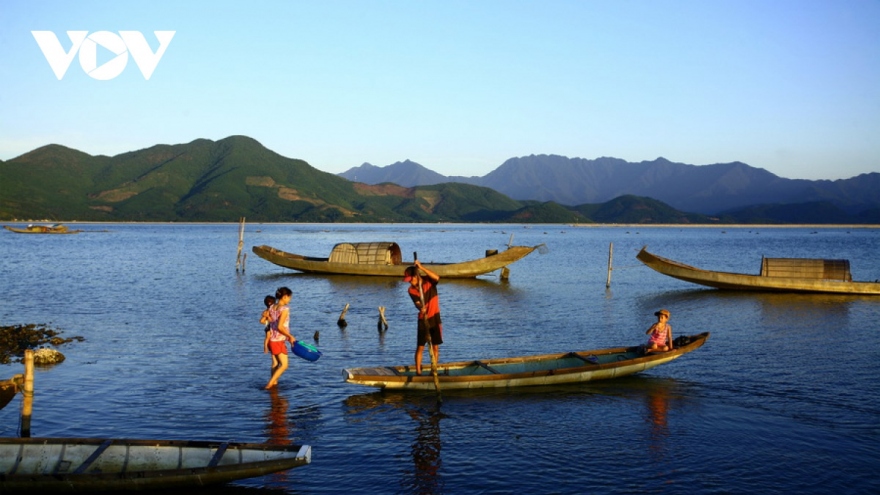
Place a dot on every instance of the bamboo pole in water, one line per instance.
(27, 393)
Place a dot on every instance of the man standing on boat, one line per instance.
(425, 288)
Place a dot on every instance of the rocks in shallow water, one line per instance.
(15, 339)
(44, 357)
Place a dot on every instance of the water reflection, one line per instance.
(278, 431)
(657, 402)
(425, 452)
(277, 425)
(425, 449)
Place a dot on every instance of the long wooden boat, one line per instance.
(42, 229)
(85, 464)
(777, 274)
(383, 259)
(545, 369)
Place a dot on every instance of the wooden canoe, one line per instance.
(84, 464)
(777, 274)
(392, 266)
(42, 229)
(545, 369)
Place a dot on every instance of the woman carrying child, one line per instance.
(278, 318)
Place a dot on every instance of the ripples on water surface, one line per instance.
(783, 397)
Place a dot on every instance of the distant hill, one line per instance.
(706, 189)
(405, 173)
(222, 181)
(635, 209)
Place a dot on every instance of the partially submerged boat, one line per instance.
(777, 274)
(544, 369)
(8, 389)
(85, 464)
(383, 259)
(56, 228)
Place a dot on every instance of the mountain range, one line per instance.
(222, 181)
(708, 189)
(235, 177)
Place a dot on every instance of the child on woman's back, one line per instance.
(265, 320)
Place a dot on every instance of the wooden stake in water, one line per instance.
(610, 253)
(341, 321)
(239, 262)
(382, 320)
(27, 403)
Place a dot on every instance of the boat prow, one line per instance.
(85, 464)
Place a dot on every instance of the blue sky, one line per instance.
(792, 87)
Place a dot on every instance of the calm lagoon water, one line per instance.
(784, 397)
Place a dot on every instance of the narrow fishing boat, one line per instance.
(383, 259)
(42, 229)
(777, 274)
(545, 369)
(87, 464)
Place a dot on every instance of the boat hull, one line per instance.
(738, 281)
(41, 230)
(465, 269)
(545, 369)
(80, 464)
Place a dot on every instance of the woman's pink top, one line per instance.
(274, 321)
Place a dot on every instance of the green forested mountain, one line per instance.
(221, 181)
(199, 181)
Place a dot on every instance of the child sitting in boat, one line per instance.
(660, 333)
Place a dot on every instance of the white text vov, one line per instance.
(122, 44)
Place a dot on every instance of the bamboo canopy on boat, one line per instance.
(366, 253)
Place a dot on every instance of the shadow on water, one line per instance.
(634, 387)
(768, 298)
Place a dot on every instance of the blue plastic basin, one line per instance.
(306, 351)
